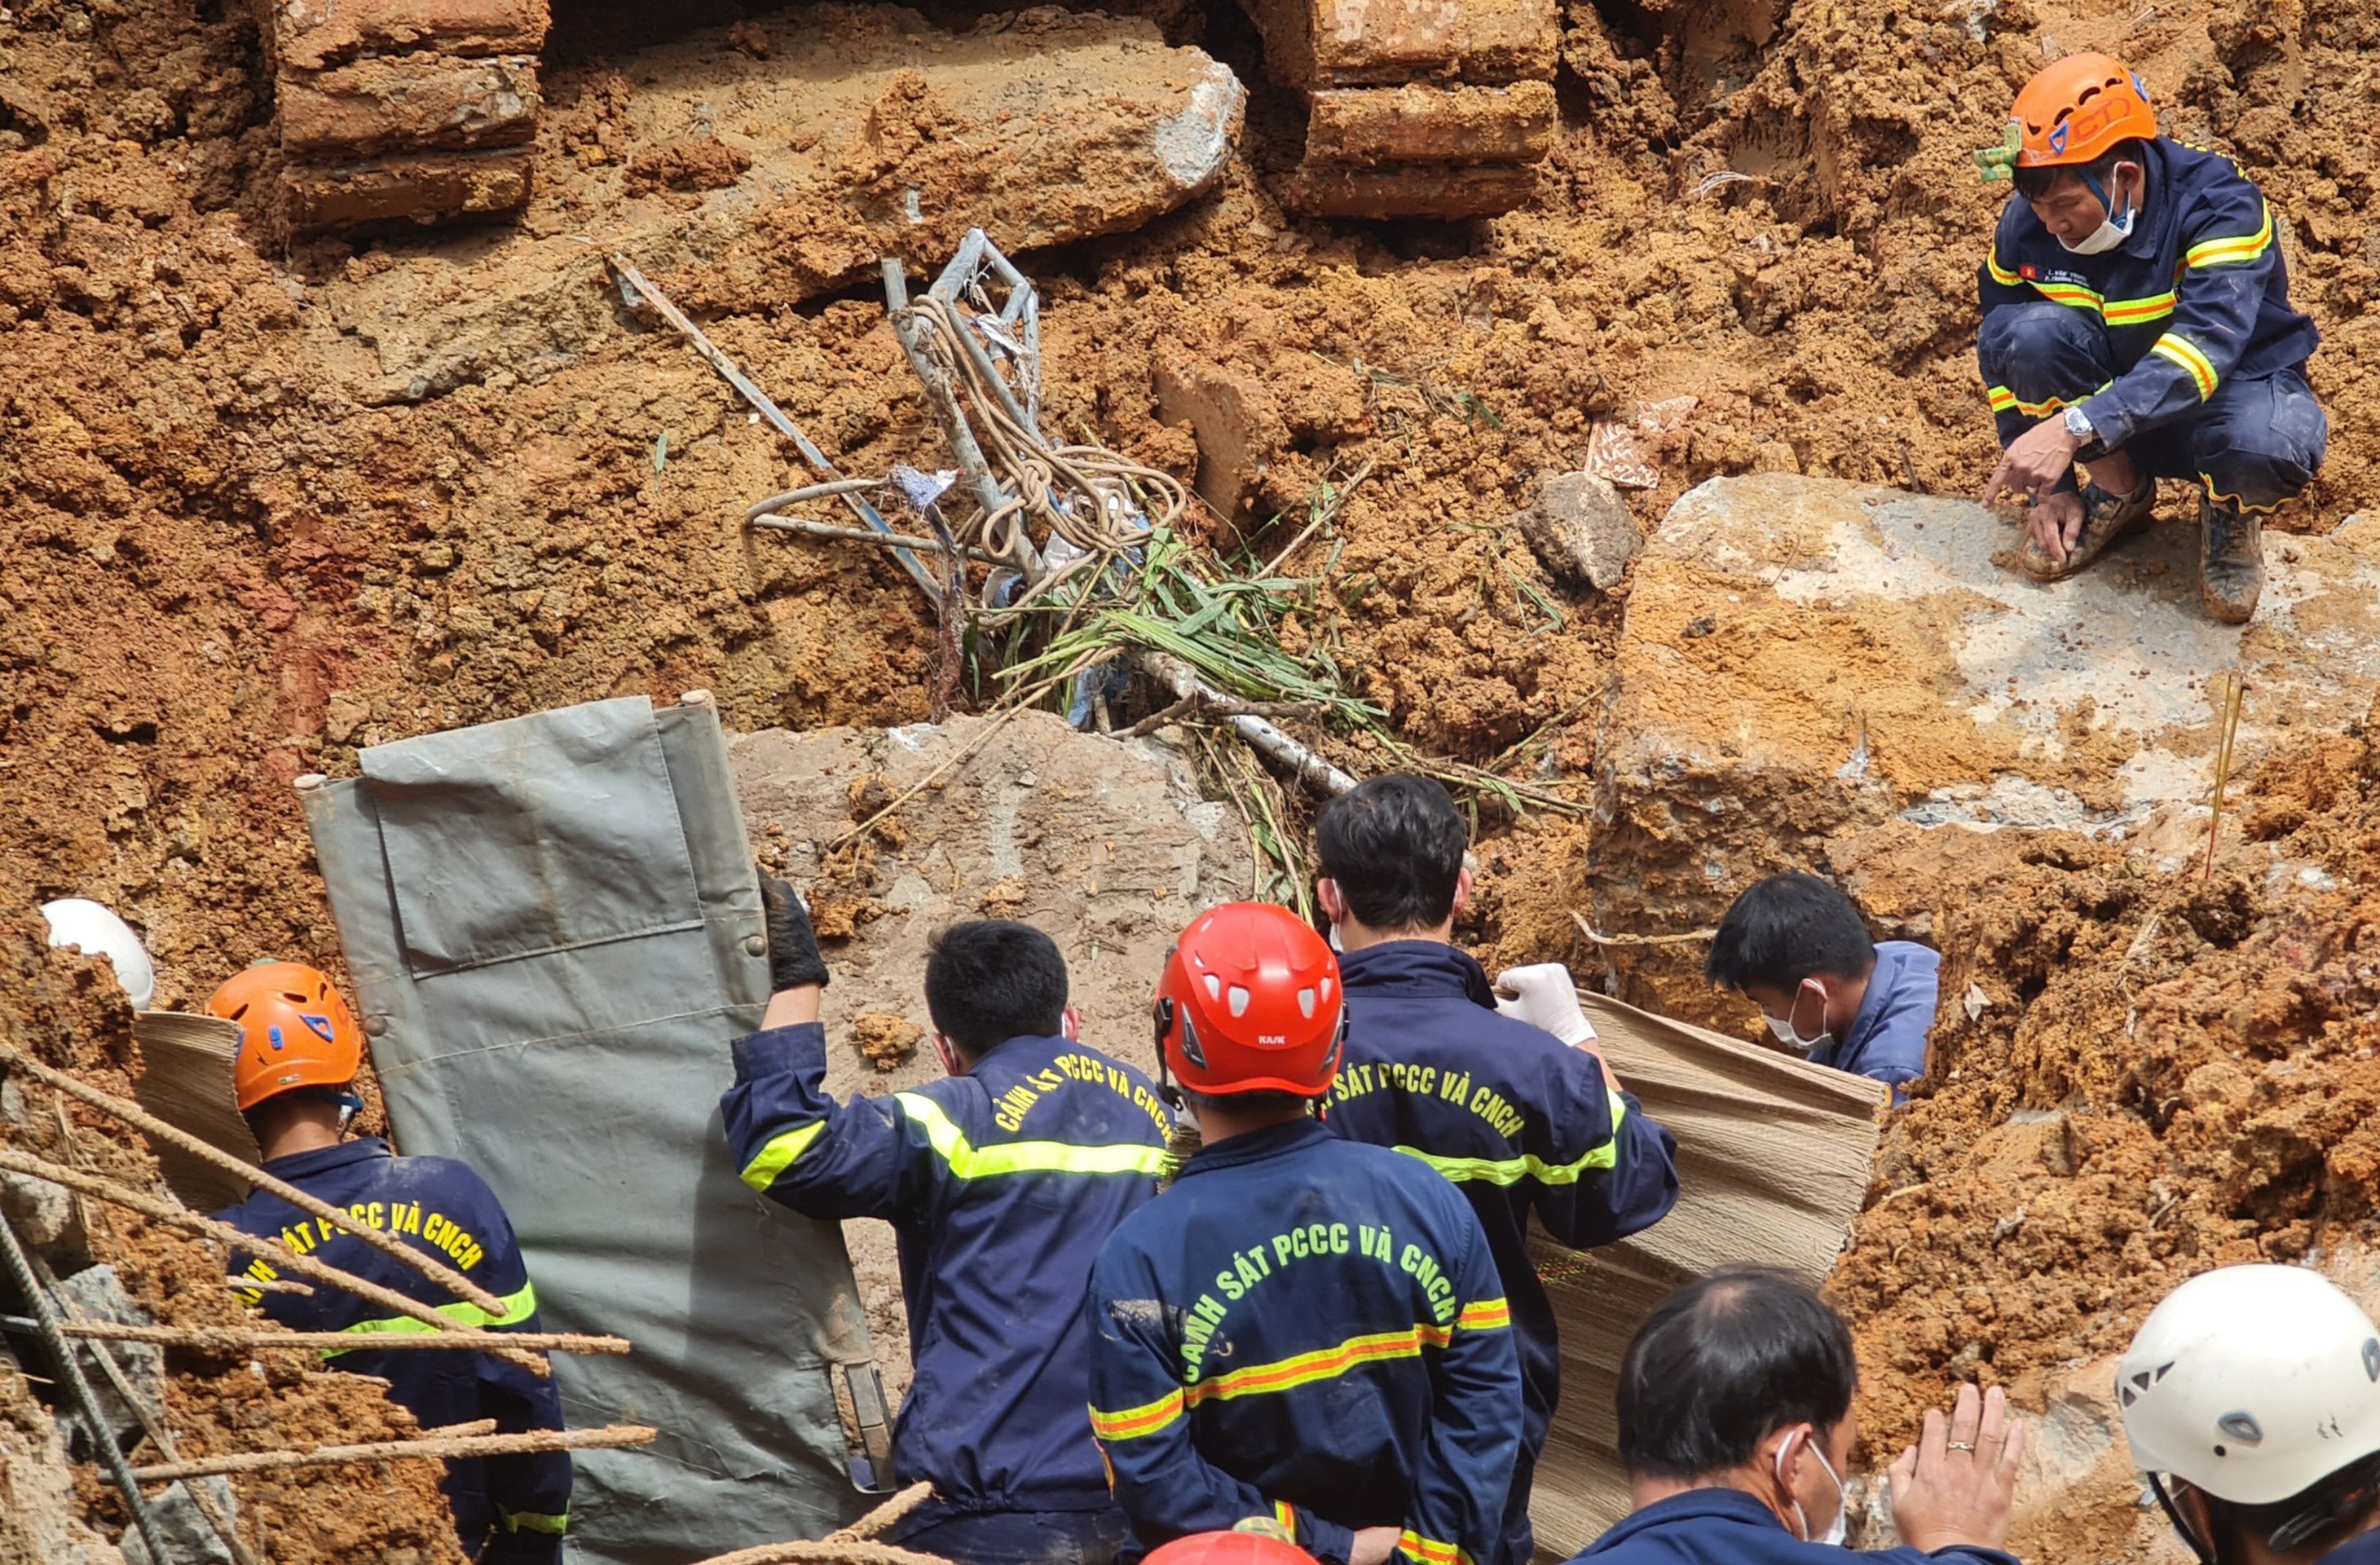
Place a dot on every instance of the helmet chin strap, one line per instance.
(2173, 1513)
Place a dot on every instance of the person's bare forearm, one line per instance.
(790, 1008)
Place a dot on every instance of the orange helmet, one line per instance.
(1249, 1001)
(2079, 109)
(294, 1031)
(1243, 1544)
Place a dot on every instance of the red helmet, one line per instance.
(1242, 1546)
(294, 1031)
(1249, 1001)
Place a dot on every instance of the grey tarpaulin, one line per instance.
(554, 933)
(1774, 1155)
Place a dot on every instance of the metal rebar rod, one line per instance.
(213, 1339)
(71, 1374)
(910, 330)
(861, 535)
(272, 1250)
(635, 288)
(611, 1438)
(314, 1206)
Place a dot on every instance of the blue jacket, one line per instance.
(1000, 1185)
(1730, 1527)
(2361, 1549)
(2198, 294)
(1518, 1120)
(1311, 1330)
(516, 1505)
(1887, 1039)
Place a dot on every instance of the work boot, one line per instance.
(2105, 518)
(2230, 560)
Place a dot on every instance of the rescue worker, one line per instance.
(2137, 318)
(1736, 1428)
(1302, 1325)
(1509, 1100)
(1798, 949)
(294, 1078)
(1001, 1181)
(2250, 1396)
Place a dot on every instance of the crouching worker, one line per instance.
(1302, 1327)
(2137, 319)
(1798, 949)
(2252, 1399)
(299, 1053)
(1001, 1181)
(1736, 1428)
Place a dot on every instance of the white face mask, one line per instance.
(1841, 1528)
(2112, 231)
(1782, 1030)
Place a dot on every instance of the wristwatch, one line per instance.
(2078, 426)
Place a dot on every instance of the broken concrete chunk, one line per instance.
(1582, 530)
(1872, 674)
(40, 1211)
(311, 35)
(409, 104)
(189, 1536)
(1238, 424)
(93, 1293)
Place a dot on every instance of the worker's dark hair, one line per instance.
(1395, 846)
(992, 979)
(2039, 184)
(1786, 928)
(1720, 1365)
(265, 1116)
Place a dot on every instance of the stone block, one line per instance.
(425, 190)
(1312, 43)
(1360, 126)
(1582, 530)
(1418, 190)
(1809, 668)
(410, 104)
(313, 34)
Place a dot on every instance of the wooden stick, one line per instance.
(149, 1125)
(2236, 688)
(223, 1234)
(224, 1339)
(832, 1551)
(436, 1448)
(1591, 932)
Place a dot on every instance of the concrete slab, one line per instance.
(1807, 662)
(864, 131)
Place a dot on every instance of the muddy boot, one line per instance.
(2105, 518)
(2230, 560)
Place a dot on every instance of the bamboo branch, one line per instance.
(156, 1129)
(231, 1237)
(856, 1551)
(436, 1446)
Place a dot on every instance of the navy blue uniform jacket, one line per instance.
(1730, 1527)
(516, 1505)
(1887, 1039)
(1000, 1185)
(1311, 1330)
(1518, 1120)
(2198, 294)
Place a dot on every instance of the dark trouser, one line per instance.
(1520, 1539)
(2255, 442)
(1024, 1537)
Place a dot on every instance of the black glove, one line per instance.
(794, 959)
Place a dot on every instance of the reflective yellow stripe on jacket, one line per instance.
(532, 1522)
(1429, 1551)
(779, 1154)
(967, 1160)
(2178, 349)
(2232, 250)
(518, 1307)
(1510, 1171)
(2075, 296)
(1132, 1422)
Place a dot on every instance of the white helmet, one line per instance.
(2252, 1384)
(78, 922)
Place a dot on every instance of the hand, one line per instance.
(2054, 524)
(794, 959)
(1373, 1546)
(2042, 456)
(1545, 997)
(1957, 1483)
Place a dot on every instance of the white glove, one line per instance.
(1545, 999)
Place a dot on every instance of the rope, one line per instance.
(1082, 494)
